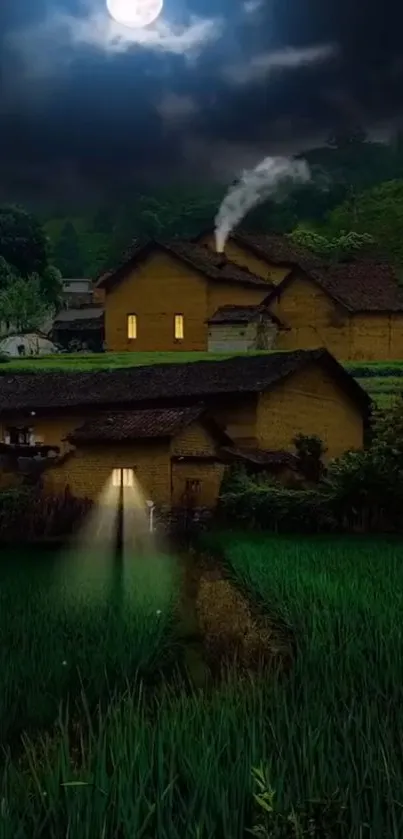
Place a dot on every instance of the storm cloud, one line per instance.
(89, 108)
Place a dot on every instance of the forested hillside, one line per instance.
(357, 186)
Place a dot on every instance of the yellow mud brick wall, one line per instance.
(313, 319)
(210, 477)
(309, 402)
(89, 468)
(377, 337)
(196, 440)
(246, 259)
(157, 289)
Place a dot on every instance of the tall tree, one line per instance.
(23, 242)
(24, 246)
(22, 304)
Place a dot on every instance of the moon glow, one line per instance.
(134, 14)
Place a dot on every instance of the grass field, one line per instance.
(382, 380)
(316, 753)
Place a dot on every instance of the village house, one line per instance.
(353, 308)
(178, 425)
(163, 296)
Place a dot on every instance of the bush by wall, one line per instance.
(43, 516)
(360, 491)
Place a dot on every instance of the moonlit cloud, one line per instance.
(97, 29)
(288, 58)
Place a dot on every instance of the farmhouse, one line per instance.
(178, 425)
(353, 308)
(162, 296)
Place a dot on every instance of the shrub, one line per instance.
(44, 516)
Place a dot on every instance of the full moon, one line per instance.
(134, 13)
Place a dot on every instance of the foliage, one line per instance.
(259, 502)
(337, 248)
(343, 599)
(23, 243)
(8, 274)
(377, 211)
(25, 253)
(341, 169)
(23, 305)
(43, 515)
(310, 452)
(360, 491)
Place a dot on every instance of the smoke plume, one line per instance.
(271, 178)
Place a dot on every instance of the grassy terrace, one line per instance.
(382, 380)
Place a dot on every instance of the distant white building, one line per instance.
(74, 286)
(27, 344)
(76, 293)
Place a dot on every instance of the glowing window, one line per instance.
(179, 330)
(132, 327)
(123, 477)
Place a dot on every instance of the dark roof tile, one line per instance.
(135, 425)
(161, 382)
(277, 249)
(360, 285)
(214, 266)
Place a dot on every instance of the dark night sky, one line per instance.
(214, 87)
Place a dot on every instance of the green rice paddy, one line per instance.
(101, 736)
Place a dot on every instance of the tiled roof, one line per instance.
(360, 285)
(261, 457)
(240, 314)
(162, 382)
(363, 285)
(214, 266)
(135, 425)
(276, 249)
(271, 247)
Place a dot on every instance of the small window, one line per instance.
(123, 477)
(179, 328)
(132, 327)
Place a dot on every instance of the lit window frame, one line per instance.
(131, 321)
(123, 476)
(179, 326)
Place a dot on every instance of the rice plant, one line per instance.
(316, 754)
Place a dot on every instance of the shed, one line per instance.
(242, 328)
(81, 328)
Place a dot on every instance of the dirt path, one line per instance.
(220, 628)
